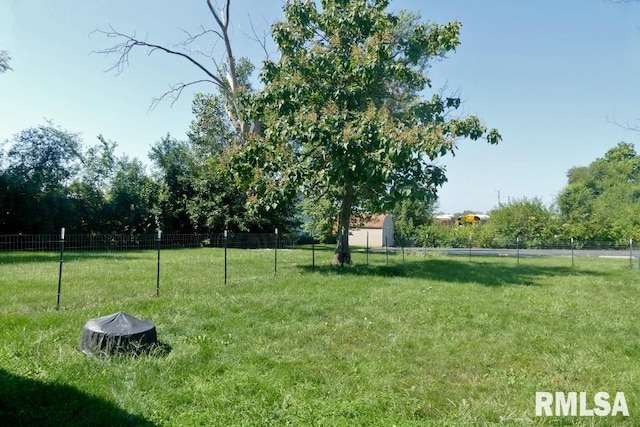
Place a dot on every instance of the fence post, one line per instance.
(631, 253)
(367, 250)
(158, 275)
(342, 246)
(572, 263)
(224, 239)
(313, 253)
(426, 241)
(275, 265)
(386, 249)
(60, 271)
(518, 250)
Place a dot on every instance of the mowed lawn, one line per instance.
(424, 341)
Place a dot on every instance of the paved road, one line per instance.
(588, 253)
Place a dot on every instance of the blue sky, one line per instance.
(552, 75)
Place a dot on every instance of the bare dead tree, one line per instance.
(227, 84)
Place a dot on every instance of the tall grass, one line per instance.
(427, 341)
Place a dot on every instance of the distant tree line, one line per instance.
(601, 202)
(49, 179)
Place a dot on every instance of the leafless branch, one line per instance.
(191, 37)
(625, 126)
(124, 48)
(260, 39)
(175, 92)
(228, 85)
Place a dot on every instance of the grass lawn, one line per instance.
(428, 341)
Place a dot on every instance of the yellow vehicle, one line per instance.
(471, 219)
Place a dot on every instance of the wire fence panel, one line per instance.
(95, 263)
(133, 242)
(29, 242)
(524, 243)
(136, 242)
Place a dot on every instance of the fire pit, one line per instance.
(117, 333)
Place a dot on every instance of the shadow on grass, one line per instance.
(157, 349)
(25, 257)
(450, 270)
(37, 257)
(28, 402)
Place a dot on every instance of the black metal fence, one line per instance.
(133, 242)
(537, 244)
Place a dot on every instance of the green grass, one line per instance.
(429, 341)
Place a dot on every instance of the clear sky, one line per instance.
(552, 75)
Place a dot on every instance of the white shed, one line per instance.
(379, 230)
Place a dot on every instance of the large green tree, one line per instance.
(344, 112)
(133, 200)
(175, 163)
(39, 165)
(202, 190)
(86, 194)
(218, 201)
(45, 155)
(528, 219)
(601, 201)
(410, 216)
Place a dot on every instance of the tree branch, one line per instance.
(625, 126)
(224, 28)
(175, 92)
(130, 42)
(191, 38)
(232, 78)
(262, 41)
(228, 85)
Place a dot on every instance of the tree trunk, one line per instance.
(342, 253)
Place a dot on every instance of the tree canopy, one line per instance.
(601, 201)
(48, 180)
(345, 115)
